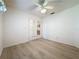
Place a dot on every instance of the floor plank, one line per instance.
(41, 49)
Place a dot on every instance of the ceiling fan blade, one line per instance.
(45, 3)
(56, 1)
(40, 2)
(49, 7)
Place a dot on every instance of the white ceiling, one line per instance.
(28, 5)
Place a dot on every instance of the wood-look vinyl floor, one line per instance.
(41, 49)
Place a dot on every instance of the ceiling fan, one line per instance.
(43, 5)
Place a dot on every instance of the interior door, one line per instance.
(34, 29)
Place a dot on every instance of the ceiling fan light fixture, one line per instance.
(43, 11)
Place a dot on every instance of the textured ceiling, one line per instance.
(28, 5)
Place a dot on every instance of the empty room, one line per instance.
(39, 29)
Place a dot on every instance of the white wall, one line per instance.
(1, 34)
(63, 27)
(17, 27)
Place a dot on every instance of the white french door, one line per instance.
(33, 27)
